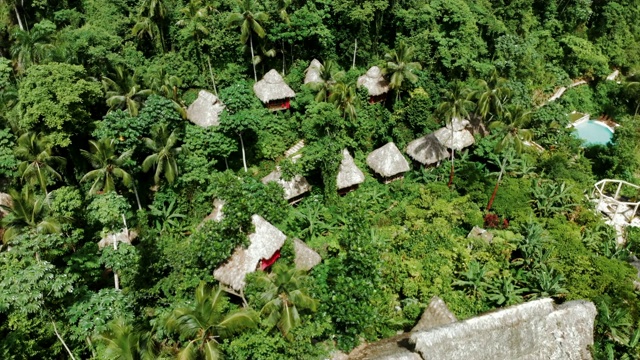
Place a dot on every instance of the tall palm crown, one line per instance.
(204, 323)
(285, 295)
(31, 47)
(163, 146)
(124, 342)
(250, 22)
(400, 66)
(491, 96)
(107, 165)
(123, 91)
(344, 97)
(38, 161)
(28, 212)
(328, 72)
(455, 105)
(193, 16)
(511, 126)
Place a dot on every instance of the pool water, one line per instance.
(593, 133)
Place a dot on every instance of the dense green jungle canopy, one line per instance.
(93, 139)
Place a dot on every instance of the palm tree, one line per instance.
(152, 14)
(146, 26)
(124, 342)
(30, 47)
(123, 91)
(194, 15)
(285, 295)
(38, 160)
(204, 325)
(400, 66)
(328, 73)
(344, 97)
(250, 22)
(164, 154)
(28, 212)
(513, 137)
(107, 165)
(491, 96)
(455, 105)
(167, 85)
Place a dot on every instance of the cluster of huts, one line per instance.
(387, 161)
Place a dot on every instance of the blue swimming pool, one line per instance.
(593, 132)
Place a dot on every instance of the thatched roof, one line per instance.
(436, 314)
(533, 330)
(456, 140)
(121, 237)
(427, 150)
(263, 243)
(216, 214)
(5, 200)
(374, 81)
(295, 187)
(480, 233)
(387, 161)
(313, 72)
(272, 87)
(393, 348)
(348, 174)
(205, 110)
(305, 257)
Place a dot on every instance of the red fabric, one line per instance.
(265, 263)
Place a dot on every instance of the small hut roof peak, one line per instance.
(348, 173)
(374, 82)
(387, 161)
(273, 77)
(312, 74)
(315, 63)
(272, 87)
(374, 72)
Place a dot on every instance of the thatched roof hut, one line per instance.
(305, 257)
(122, 237)
(263, 244)
(312, 74)
(436, 314)
(533, 330)
(205, 110)
(293, 188)
(5, 200)
(427, 150)
(348, 174)
(272, 88)
(374, 82)
(456, 140)
(388, 161)
(216, 214)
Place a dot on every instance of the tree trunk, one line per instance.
(116, 279)
(355, 48)
(135, 191)
(452, 169)
(255, 75)
(15, 8)
(55, 329)
(283, 57)
(244, 159)
(213, 80)
(453, 150)
(495, 190)
(226, 163)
